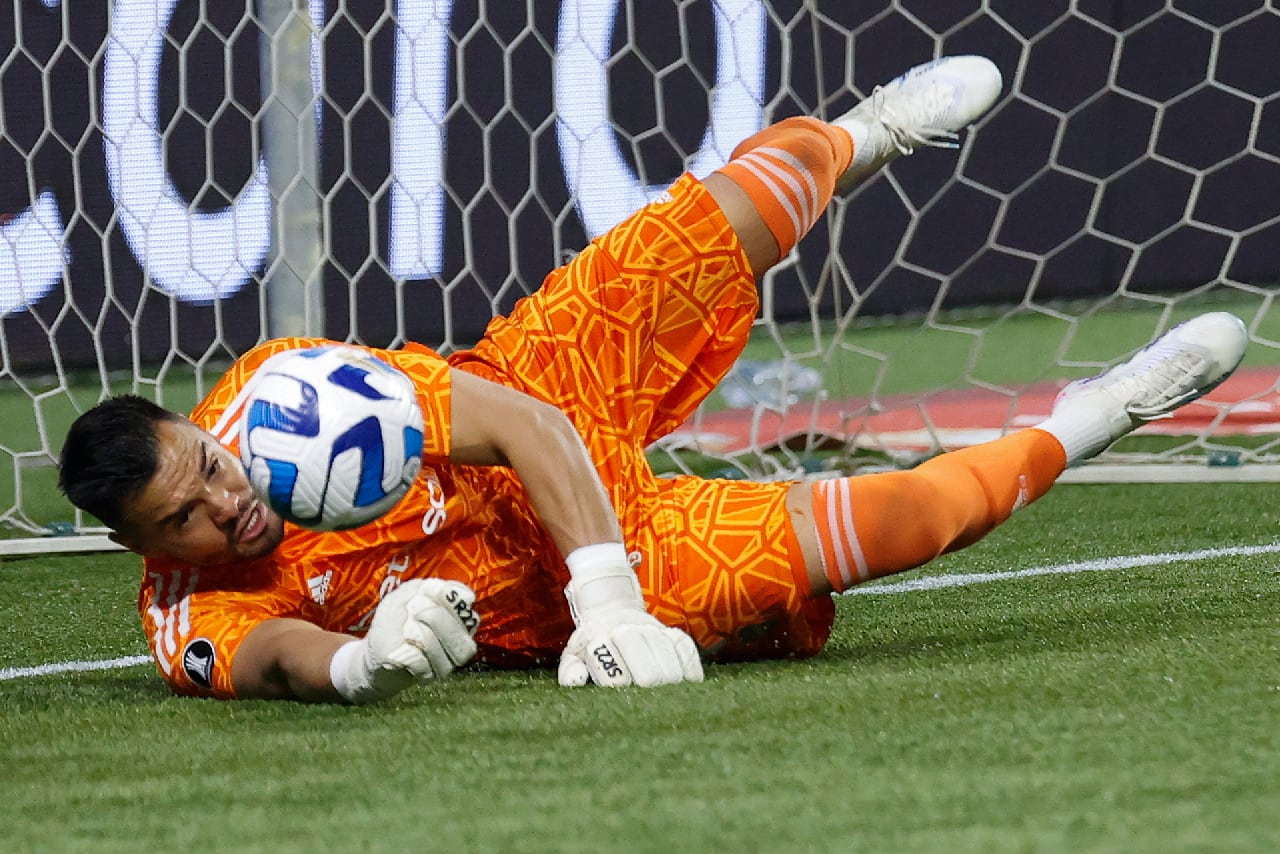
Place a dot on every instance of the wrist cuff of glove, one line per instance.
(601, 578)
(355, 681)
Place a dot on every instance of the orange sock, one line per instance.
(879, 524)
(789, 171)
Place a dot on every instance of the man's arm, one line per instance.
(497, 426)
(286, 659)
(422, 630)
(617, 641)
(491, 425)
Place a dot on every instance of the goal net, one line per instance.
(180, 179)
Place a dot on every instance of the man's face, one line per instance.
(198, 507)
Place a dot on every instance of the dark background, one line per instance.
(1131, 153)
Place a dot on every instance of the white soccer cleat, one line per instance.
(926, 106)
(1180, 366)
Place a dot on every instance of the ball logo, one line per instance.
(355, 378)
(300, 419)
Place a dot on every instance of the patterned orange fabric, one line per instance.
(627, 339)
(741, 591)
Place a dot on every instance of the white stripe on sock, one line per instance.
(850, 559)
(775, 177)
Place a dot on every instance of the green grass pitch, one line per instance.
(1122, 710)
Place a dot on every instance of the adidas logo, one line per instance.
(319, 587)
(1024, 495)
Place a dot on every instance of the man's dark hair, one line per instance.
(110, 454)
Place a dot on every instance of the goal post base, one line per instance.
(81, 544)
(1170, 473)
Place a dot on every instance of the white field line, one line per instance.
(71, 667)
(932, 582)
(1106, 564)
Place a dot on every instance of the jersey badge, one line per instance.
(198, 660)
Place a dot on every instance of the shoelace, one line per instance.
(1172, 373)
(903, 125)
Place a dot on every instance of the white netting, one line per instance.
(180, 179)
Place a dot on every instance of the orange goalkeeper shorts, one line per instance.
(627, 340)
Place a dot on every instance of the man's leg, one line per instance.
(633, 333)
(776, 185)
(854, 529)
(779, 182)
(670, 291)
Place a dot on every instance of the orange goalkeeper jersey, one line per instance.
(627, 340)
(468, 524)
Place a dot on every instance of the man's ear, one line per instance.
(125, 540)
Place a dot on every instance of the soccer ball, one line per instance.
(331, 436)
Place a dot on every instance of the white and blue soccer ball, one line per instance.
(331, 436)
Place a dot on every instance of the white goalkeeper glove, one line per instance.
(617, 641)
(422, 630)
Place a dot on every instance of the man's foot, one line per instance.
(1181, 365)
(925, 106)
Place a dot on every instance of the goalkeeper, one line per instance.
(536, 534)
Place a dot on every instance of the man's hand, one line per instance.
(617, 642)
(422, 630)
(629, 648)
